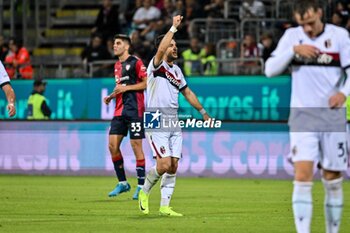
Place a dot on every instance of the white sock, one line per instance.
(151, 179)
(302, 206)
(167, 186)
(333, 204)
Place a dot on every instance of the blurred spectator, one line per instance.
(166, 18)
(37, 106)
(17, 61)
(342, 9)
(192, 58)
(182, 29)
(96, 51)
(3, 48)
(107, 21)
(267, 46)
(210, 66)
(249, 49)
(141, 48)
(193, 10)
(133, 6)
(215, 9)
(145, 15)
(159, 4)
(110, 47)
(337, 19)
(252, 9)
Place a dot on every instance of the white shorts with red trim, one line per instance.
(165, 144)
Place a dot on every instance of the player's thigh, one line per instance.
(176, 144)
(304, 146)
(334, 155)
(118, 127)
(136, 129)
(159, 142)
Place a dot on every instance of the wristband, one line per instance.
(202, 111)
(173, 29)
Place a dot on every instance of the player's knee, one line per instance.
(136, 144)
(173, 168)
(331, 175)
(303, 176)
(113, 148)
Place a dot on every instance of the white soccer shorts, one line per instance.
(165, 144)
(328, 148)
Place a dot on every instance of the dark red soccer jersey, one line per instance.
(129, 72)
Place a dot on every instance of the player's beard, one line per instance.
(171, 57)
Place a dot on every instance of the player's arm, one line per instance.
(281, 57)
(338, 99)
(164, 44)
(193, 100)
(11, 98)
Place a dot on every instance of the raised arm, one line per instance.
(164, 44)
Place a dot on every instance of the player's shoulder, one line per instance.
(336, 30)
(293, 30)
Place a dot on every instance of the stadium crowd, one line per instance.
(144, 20)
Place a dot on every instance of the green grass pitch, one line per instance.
(80, 204)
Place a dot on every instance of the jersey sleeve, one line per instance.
(151, 68)
(281, 56)
(4, 78)
(344, 40)
(140, 70)
(183, 83)
(344, 50)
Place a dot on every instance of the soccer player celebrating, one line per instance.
(9, 93)
(165, 81)
(317, 52)
(131, 80)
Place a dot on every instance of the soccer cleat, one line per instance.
(143, 202)
(136, 194)
(120, 188)
(167, 211)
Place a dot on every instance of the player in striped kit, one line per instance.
(318, 53)
(165, 81)
(131, 80)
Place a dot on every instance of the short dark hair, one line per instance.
(122, 37)
(158, 40)
(302, 6)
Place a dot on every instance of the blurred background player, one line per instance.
(318, 52)
(38, 109)
(131, 80)
(165, 81)
(9, 93)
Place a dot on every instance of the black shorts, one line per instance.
(121, 125)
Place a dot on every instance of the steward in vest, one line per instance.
(37, 106)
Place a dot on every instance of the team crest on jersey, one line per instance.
(294, 150)
(162, 149)
(328, 43)
(127, 67)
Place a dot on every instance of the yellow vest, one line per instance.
(34, 107)
(192, 62)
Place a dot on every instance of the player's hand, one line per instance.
(11, 109)
(306, 51)
(177, 20)
(107, 99)
(120, 89)
(206, 117)
(337, 100)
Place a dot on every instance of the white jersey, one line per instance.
(4, 78)
(163, 85)
(314, 81)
